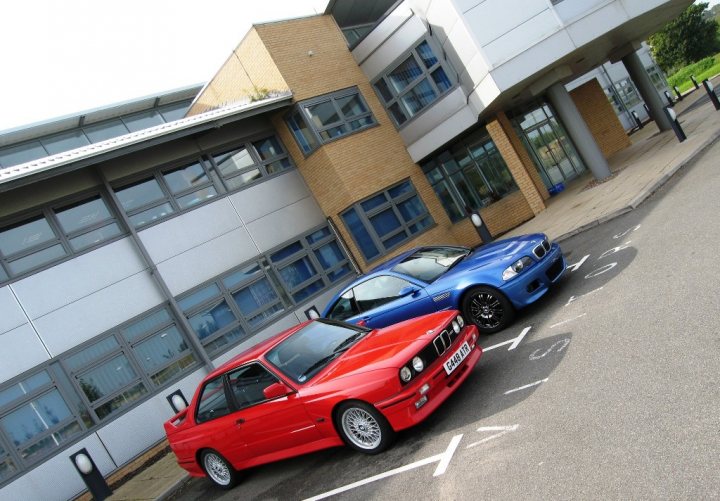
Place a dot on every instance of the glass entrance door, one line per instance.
(555, 156)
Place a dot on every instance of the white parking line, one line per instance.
(513, 342)
(573, 298)
(443, 459)
(567, 321)
(502, 429)
(526, 386)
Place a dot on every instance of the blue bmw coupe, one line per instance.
(487, 283)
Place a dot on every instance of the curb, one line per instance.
(644, 194)
(173, 488)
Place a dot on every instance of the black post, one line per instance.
(692, 77)
(679, 94)
(637, 120)
(669, 98)
(675, 124)
(479, 225)
(647, 110)
(90, 474)
(711, 93)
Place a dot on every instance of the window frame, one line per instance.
(390, 203)
(49, 212)
(301, 109)
(426, 75)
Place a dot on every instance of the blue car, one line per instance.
(487, 284)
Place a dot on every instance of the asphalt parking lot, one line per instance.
(607, 388)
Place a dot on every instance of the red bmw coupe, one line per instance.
(318, 385)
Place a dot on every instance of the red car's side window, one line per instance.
(213, 401)
(247, 384)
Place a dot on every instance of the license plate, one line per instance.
(456, 359)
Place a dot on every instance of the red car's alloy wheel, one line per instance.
(364, 428)
(219, 470)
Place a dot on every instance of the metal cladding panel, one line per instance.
(495, 19)
(399, 43)
(285, 322)
(21, 351)
(595, 25)
(78, 278)
(284, 224)
(95, 313)
(57, 478)
(443, 133)
(12, 314)
(272, 195)
(207, 260)
(524, 37)
(442, 15)
(381, 32)
(180, 234)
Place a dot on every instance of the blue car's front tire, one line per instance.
(487, 308)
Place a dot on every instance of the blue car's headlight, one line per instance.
(516, 267)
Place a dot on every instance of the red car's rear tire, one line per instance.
(363, 428)
(218, 469)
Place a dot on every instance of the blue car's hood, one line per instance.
(496, 253)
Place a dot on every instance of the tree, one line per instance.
(687, 39)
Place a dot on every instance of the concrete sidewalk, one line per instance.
(637, 172)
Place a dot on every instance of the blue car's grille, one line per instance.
(542, 249)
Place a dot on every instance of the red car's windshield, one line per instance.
(308, 350)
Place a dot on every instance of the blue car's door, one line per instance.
(384, 300)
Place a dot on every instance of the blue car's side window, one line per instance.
(345, 307)
(378, 291)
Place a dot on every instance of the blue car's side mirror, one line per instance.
(406, 291)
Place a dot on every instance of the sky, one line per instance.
(62, 57)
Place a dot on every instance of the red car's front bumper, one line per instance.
(406, 408)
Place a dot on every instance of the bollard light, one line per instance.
(711, 93)
(679, 94)
(479, 225)
(637, 119)
(679, 132)
(83, 463)
(312, 313)
(476, 220)
(669, 98)
(692, 77)
(179, 403)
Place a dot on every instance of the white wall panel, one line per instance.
(20, 350)
(522, 38)
(433, 115)
(77, 278)
(462, 51)
(636, 8)
(588, 28)
(94, 314)
(395, 46)
(208, 260)
(484, 94)
(177, 235)
(569, 11)
(493, 19)
(57, 478)
(444, 132)
(270, 196)
(381, 32)
(11, 315)
(443, 17)
(282, 225)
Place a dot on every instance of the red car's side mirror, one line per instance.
(276, 390)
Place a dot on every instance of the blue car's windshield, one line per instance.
(428, 264)
(307, 351)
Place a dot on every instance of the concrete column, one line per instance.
(578, 131)
(647, 90)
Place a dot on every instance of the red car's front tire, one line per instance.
(363, 428)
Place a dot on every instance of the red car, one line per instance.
(318, 385)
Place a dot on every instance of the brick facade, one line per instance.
(598, 113)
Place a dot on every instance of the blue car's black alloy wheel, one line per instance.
(488, 309)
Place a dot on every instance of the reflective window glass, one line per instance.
(268, 148)
(175, 111)
(106, 378)
(212, 319)
(213, 402)
(24, 387)
(329, 255)
(121, 400)
(105, 130)
(255, 296)
(146, 325)
(247, 384)
(242, 275)
(231, 163)
(286, 252)
(65, 142)
(323, 114)
(36, 259)
(360, 234)
(92, 352)
(426, 55)
(16, 155)
(140, 194)
(151, 215)
(25, 235)
(186, 177)
(378, 291)
(404, 74)
(143, 120)
(95, 237)
(196, 197)
(302, 133)
(159, 349)
(243, 179)
(298, 272)
(199, 297)
(82, 215)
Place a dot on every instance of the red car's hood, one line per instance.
(390, 347)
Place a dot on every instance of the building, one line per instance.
(132, 265)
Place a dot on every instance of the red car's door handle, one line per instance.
(239, 421)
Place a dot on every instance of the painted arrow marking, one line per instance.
(442, 459)
(501, 429)
(512, 342)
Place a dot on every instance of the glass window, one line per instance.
(65, 142)
(83, 215)
(472, 175)
(186, 178)
(25, 236)
(105, 130)
(143, 120)
(429, 263)
(174, 111)
(247, 384)
(345, 307)
(140, 194)
(164, 355)
(414, 84)
(378, 291)
(324, 118)
(258, 302)
(242, 166)
(15, 155)
(213, 401)
(386, 220)
(7, 465)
